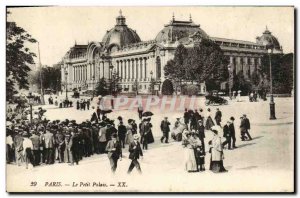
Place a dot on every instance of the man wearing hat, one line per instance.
(18, 144)
(232, 132)
(135, 153)
(73, 147)
(114, 150)
(218, 117)
(27, 149)
(102, 137)
(35, 139)
(164, 126)
(245, 127)
(227, 135)
(122, 133)
(49, 147)
(61, 146)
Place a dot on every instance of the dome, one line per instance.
(120, 35)
(267, 39)
(177, 30)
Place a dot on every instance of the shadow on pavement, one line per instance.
(243, 145)
(258, 137)
(247, 168)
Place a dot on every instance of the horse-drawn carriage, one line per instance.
(214, 98)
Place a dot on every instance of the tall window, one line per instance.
(158, 67)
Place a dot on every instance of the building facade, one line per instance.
(121, 52)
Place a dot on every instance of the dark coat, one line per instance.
(186, 116)
(122, 131)
(117, 153)
(197, 115)
(95, 117)
(226, 131)
(232, 130)
(218, 116)
(200, 130)
(74, 143)
(109, 131)
(136, 152)
(165, 126)
(247, 123)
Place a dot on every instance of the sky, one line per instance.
(58, 28)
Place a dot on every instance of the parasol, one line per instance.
(147, 113)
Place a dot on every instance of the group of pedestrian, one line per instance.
(46, 142)
(83, 104)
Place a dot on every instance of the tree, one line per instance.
(102, 88)
(167, 87)
(241, 84)
(174, 68)
(255, 79)
(282, 71)
(114, 85)
(204, 62)
(51, 77)
(18, 58)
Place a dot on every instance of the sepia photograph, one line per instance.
(150, 99)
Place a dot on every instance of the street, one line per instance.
(264, 164)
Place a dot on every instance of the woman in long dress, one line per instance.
(189, 154)
(129, 134)
(217, 155)
(209, 122)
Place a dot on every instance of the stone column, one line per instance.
(145, 69)
(121, 70)
(132, 69)
(75, 73)
(238, 64)
(128, 66)
(78, 68)
(125, 70)
(141, 69)
(137, 68)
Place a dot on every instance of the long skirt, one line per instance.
(150, 137)
(190, 160)
(128, 138)
(209, 123)
(217, 166)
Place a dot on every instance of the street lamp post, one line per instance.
(272, 104)
(229, 81)
(30, 101)
(66, 80)
(41, 79)
(110, 76)
(151, 81)
(57, 87)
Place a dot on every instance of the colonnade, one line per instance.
(132, 69)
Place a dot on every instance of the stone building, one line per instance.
(121, 52)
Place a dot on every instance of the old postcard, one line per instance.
(150, 99)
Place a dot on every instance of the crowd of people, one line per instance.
(191, 132)
(47, 142)
(83, 104)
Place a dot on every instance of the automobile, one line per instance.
(214, 98)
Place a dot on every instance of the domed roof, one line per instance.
(267, 39)
(120, 35)
(177, 30)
